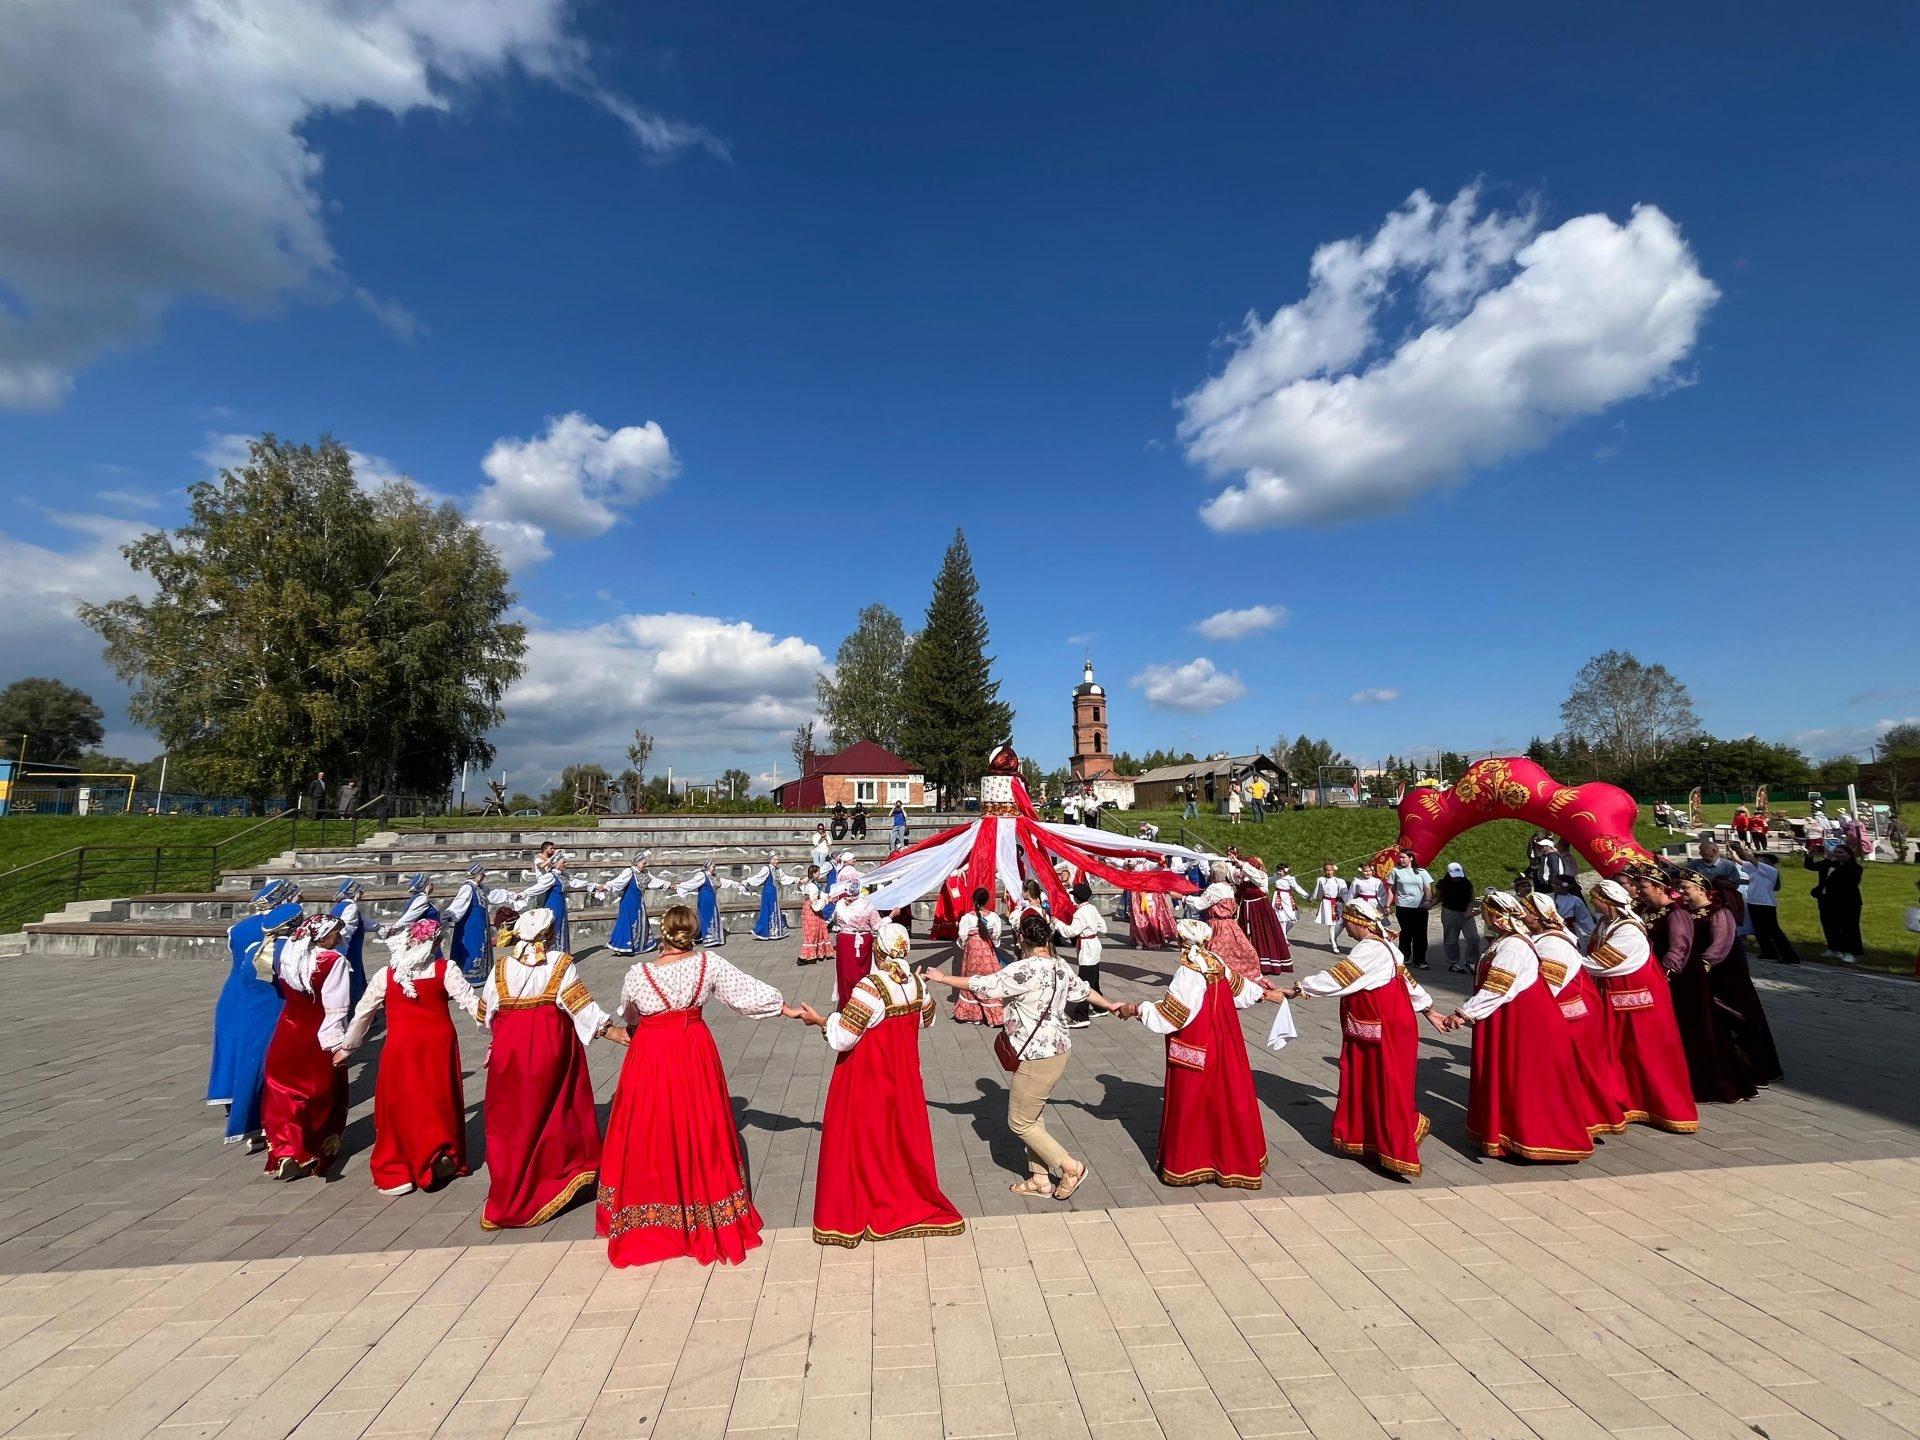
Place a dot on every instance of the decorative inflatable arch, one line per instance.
(1597, 818)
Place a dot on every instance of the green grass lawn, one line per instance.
(1493, 853)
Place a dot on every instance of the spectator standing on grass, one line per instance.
(1190, 807)
(1233, 803)
(1763, 910)
(349, 792)
(317, 795)
(1257, 793)
(1837, 892)
(1459, 931)
(1412, 897)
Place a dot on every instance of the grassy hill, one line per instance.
(1493, 853)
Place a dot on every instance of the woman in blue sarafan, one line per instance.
(469, 937)
(629, 890)
(549, 892)
(420, 907)
(353, 934)
(246, 1013)
(707, 886)
(771, 922)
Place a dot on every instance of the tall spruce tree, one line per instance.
(951, 712)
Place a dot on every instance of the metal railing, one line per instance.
(110, 871)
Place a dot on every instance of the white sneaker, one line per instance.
(406, 1189)
(1848, 960)
(1073, 1024)
(1829, 954)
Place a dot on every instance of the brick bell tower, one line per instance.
(1091, 758)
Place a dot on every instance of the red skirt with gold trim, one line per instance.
(672, 1174)
(1646, 1042)
(1525, 1098)
(1377, 1116)
(543, 1138)
(877, 1178)
(1210, 1129)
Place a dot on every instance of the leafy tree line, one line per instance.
(300, 623)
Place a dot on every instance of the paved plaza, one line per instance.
(1760, 1278)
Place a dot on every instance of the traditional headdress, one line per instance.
(275, 892)
(891, 940)
(641, 857)
(476, 870)
(418, 884)
(349, 890)
(414, 953)
(1547, 911)
(1502, 911)
(1367, 913)
(1193, 932)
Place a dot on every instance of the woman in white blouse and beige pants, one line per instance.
(1035, 992)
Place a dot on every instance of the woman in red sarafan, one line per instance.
(876, 1178)
(419, 1103)
(1377, 1116)
(1219, 905)
(543, 1137)
(1524, 1099)
(1639, 1015)
(303, 1108)
(1210, 1129)
(949, 907)
(1596, 1069)
(672, 1172)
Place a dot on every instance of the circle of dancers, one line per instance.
(1573, 1037)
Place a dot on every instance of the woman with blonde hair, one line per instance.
(672, 1171)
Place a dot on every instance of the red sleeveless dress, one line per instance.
(1596, 1073)
(419, 1103)
(1210, 1129)
(1523, 1100)
(1637, 1009)
(877, 1177)
(1377, 1116)
(1262, 925)
(672, 1172)
(303, 1107)
(543, 1138)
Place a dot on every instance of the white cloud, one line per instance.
(1376, 696)
(157, 152)
(1193, 687)
(1238, 624)
(1314, 418)
(1828, 741)
(572, 481)
(713, 692)
(39, 587)
(230, 450)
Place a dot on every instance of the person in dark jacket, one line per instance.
(1837, 893)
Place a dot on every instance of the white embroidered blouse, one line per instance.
(655, 986)
(888, 991)
(1511, 967)
(1085, 929)
(1620, 947)
(459, 994)
(1371, 964)
(973, 923)
(1034, 1026)
(1187, 991)
(1559, 960)
(548, 979)
(298, 962)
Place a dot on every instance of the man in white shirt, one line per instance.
(1763, 909)
(1412, 898)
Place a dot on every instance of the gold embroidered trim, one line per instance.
(1555, 972)
(552, 1208)
(575, 998)
(1498, 981)
(674, 1215)
(1344, 973)
(1605, 956)
(912, 1232)
(1173, 1012)
(856, 1017)
(1387, 1162)
(1505, 1146)
(1216, 1177)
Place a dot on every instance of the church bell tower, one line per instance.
(1091, 759)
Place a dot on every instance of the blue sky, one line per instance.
(735, 314)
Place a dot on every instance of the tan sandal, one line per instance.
(1034, 1185)
(1070, 1183)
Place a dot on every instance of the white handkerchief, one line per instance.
(1283, 1028)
